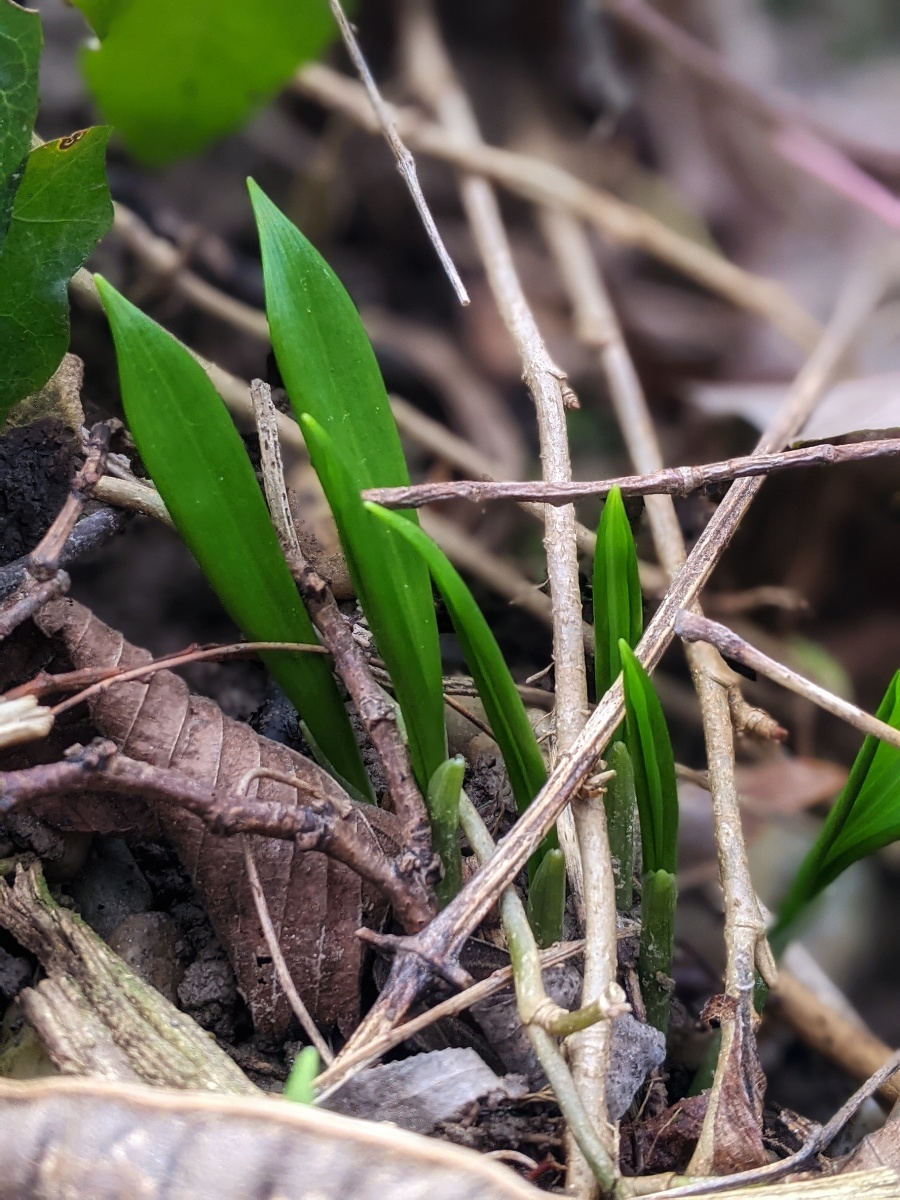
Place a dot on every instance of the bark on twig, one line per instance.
(671, 481)
(692, 628)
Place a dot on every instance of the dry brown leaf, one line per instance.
(317, 904)
(732, 1141)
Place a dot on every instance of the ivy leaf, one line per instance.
(61, 210)
(197, 460)
(173, 75)
(20, 51)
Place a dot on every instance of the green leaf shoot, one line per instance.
(338, 395)
(502, 703)
(173, 75)
(198, 462)
(61, 210)
(404, 627)
(443, 796)
(618, 606)
(620, 803)
(658, 897)
(647, 738)
(864, 818)
(20, 52)
(299, 1086)
(546, 903)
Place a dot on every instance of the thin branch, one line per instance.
(584, 1123)
(375, 709)
(852, 1046)
(694, 628)
(406, 164)
(42, 579)
(670, 481)
(544, 183)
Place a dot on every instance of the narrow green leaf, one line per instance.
(405, 631)
(332, 377)
(197, 460)
(658, 897)
(547, 899)
(618, 607)
(300, 1084)
(650, 748)
(499, 695)
(864, 818)
(620, 803)
(61, 210)
(443, 808)
(172, 75)
(20, 52)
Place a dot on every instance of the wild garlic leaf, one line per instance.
(864, 818)
(650, 747)
(198, 462)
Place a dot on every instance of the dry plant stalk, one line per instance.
(583, 834)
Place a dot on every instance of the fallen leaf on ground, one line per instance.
(316, 904)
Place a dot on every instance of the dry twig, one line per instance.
(406, 164)
(670, 481)
(693, 628)
(544, 183)
(375, 709)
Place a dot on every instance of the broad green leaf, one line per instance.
(196, 458)
(546, 904)
(443, 795)
(331, 375)
(61, 210)
(172, 75)
(618, 609)
(385, 574)
(499, 695)
(864, 818)
(20, 50)
(647, 738)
